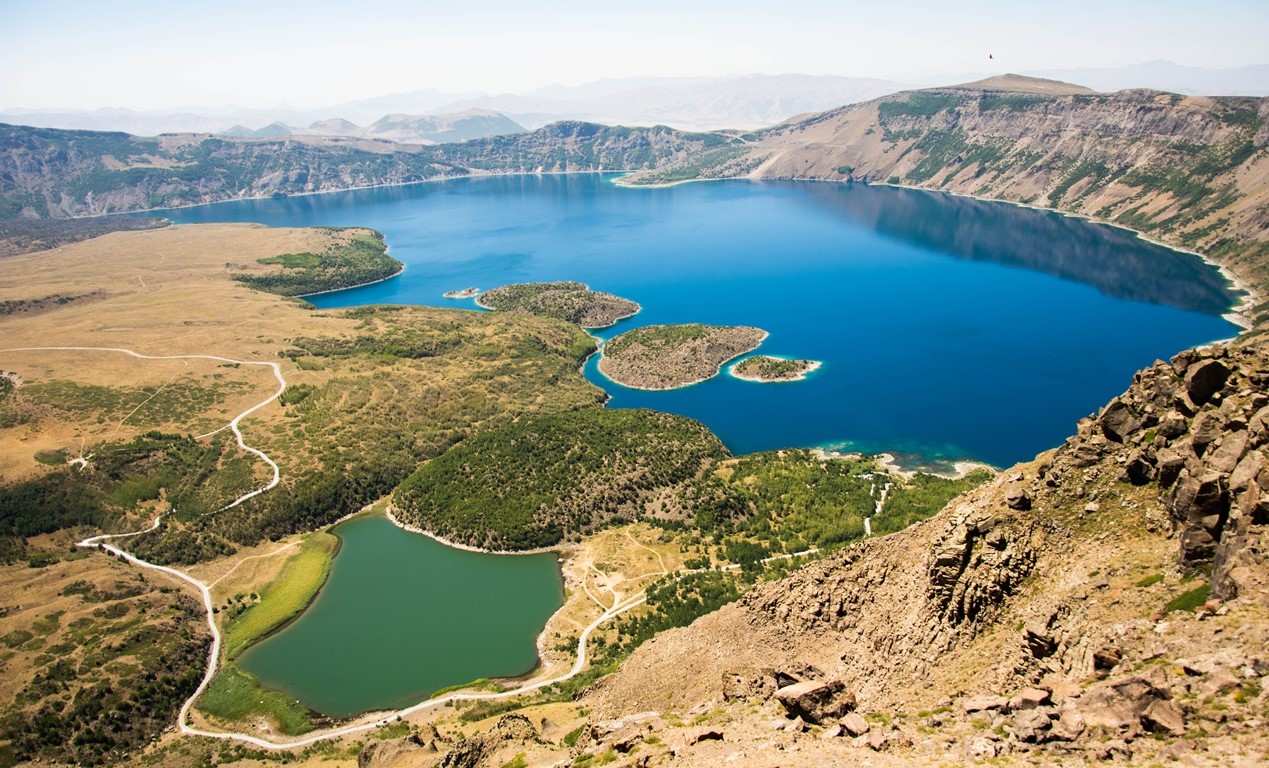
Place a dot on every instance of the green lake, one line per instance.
(402, 616)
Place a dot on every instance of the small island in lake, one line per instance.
(672, 356)
(574, 302)
(466, 293)
(773, 369)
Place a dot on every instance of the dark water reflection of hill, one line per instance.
(1112, 260)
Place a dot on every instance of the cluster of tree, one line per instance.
(14, 306)
(766, 367)
(791, 500)
(568, 301)
(673, 601)
(917, 498)
(358, 258)
(119, 476)
(534, 482)
(658, 336)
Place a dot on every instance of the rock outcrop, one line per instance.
(1197, 429)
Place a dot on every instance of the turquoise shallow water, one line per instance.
(402, 616)
(948, 327)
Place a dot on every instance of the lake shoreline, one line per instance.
(351, 287)
(466, 547)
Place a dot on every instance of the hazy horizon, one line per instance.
(150, 55)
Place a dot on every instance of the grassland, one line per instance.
(282, 599)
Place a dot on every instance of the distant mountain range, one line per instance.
(398, 127)
(686, 103)
(1164, 75)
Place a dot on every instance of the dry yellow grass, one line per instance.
(157, 292)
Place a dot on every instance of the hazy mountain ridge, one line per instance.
(695, 103)
(1164, 75)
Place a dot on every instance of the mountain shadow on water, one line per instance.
(1110, 259)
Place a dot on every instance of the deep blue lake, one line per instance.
(948, 327)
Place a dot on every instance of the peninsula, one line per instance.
(466, 293)
(769, 370)
(673, 356)
(574, 302)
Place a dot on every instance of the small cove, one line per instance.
(402, 616)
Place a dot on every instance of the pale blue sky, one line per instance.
(146, 54)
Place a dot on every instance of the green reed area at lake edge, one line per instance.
(236, 696)
(250, 618)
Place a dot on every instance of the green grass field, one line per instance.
(236, 696)
(286, 596)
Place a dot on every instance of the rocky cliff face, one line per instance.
(1057, 611)
(56, 173)
(1195, 430)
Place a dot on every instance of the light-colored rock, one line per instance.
(1029, 725)
(1164, 715)
(854, 724)
(816, 701)
(1029, 698)
(983, 704)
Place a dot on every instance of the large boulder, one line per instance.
(854, 724)
(817, 701)
(1016, 497)
(1204, 379)
(1123, 706)
(1200, 503)
(1119, 420)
